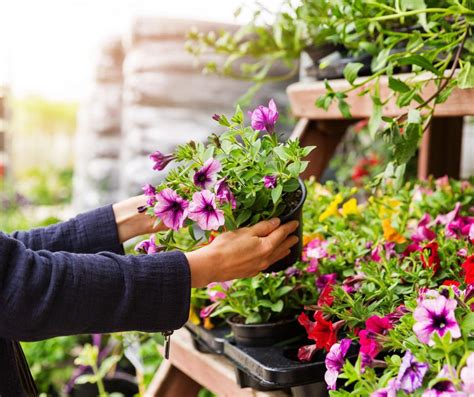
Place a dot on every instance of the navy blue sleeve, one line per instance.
(91, 232)
(45, 294)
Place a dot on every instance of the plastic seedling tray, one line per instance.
(263, 368)
(209, 341)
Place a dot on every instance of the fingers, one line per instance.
(277, 236)
(264, 228)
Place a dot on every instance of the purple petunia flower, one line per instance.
(335, 361)
(161, 160)
(206, 176)
(325, 279)
(203, 210)
(270, 181)
(435, 316)
(148, 246)
(375, 254)
(150, 192)
(224, 194)
(444, 387)
(467, 375)
(411, 373)
(423, 233)
(264, 118)
(171, 208)
(389, 391)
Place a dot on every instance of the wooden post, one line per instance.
(440, 150)
(326, 136)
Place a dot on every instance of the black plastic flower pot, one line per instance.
(264, 334)
(295, 213)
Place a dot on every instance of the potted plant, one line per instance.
(431, 39)
(238, 178)
(261, 310)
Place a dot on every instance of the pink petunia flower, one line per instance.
(148, 246)
(335, 361)
(204, 211)
(206, 176)
(467, 375)
(270, 181)
(264, 118)
(171, 208)
(161, 160)
(435, 316)
(224, 194)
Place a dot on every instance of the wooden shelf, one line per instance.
(303, 95)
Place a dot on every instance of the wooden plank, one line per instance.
(303, 95)
(440, 150)
(211, 371)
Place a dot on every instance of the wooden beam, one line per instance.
(302, 96)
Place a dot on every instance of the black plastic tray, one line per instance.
(209, 341)
(262, 368)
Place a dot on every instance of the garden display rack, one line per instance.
(440, 149)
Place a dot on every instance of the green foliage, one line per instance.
(266, 297)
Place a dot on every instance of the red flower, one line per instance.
(433, 258)
(326, 297)
(378, 325)
(468, 267)
(321, 330)
(363, 167)
(306, 353)
(448, 283)
(374, 325)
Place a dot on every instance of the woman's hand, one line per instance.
(131, 223)
(241, 253)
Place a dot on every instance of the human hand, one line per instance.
(241, 253)
(131, 223)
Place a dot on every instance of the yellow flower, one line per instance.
(208, 323)
(311, 237)
(388, 207)
(193, 317)
(332, 208)
(390, 233)
(350, 207)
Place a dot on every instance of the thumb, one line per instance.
(264, 228)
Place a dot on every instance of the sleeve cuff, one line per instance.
(98, 230)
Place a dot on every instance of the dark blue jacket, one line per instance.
(72, 278)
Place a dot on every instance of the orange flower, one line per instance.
(390, 233)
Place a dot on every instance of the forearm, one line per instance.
(130, 222)
(48, 294)
(90, 232)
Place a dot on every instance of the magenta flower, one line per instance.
(326, 279)
(411, 373)
(335, 361)
(423, 233)
(389, 250)
(224, 194)
(203, 210)
(148, 246)
(270, 181)
(206, 176)
(375, 254)
(369, 346)
(467, 375)
(219, 293)
(150, 192)
(171, 208)
(435, 316)
(161, 160)
(207, 310)
(264, 118)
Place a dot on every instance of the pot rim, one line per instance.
(304, 192)
(261, 325)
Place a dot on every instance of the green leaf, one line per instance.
(351, 71)
(244, 215)
(253, 318)
(414, 116)
(467, 325)
(375, 120)
(277, 306)
(291, 185)
(107, 365)
(238, 116)
(405, 145)
(421, 61)
(344, 108)
(80, 380)
(276, 193)
(397, 85)
(466, 76)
